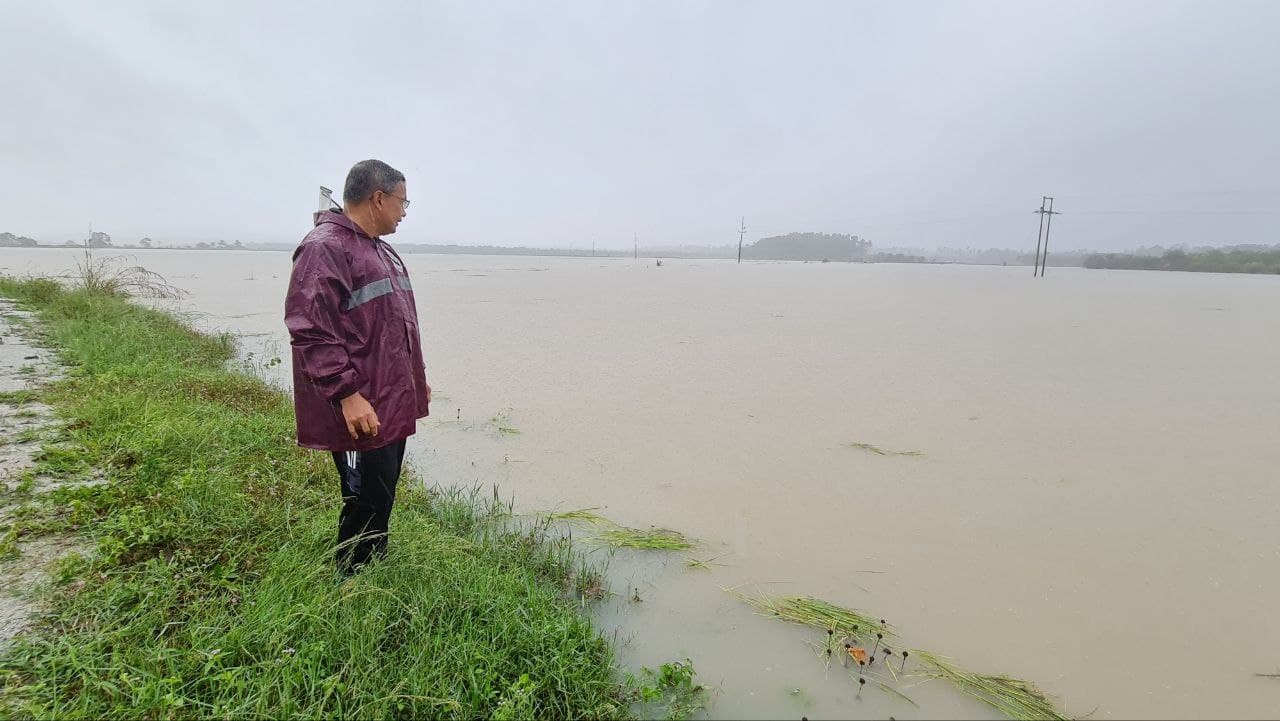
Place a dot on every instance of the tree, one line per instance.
(9, 240)
(98, 239)
(809, 246)
(145, 242)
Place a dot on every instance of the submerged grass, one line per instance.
(820, 614)
(1013, 697)
(616, 536)
(502, 423)
(704, 564)
(658, 539)
(210, 590)
(882, 451)
(586, 515)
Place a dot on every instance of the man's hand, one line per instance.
(428, 394)
(359, 416)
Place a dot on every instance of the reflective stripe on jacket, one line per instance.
(353, 325)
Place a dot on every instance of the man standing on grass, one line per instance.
(359, 381)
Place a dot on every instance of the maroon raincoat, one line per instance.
(353, 326)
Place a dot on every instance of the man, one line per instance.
(359, 381)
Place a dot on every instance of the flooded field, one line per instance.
(1070, 480)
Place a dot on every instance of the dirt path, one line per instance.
(25, 563)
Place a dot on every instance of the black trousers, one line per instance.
(368, 491)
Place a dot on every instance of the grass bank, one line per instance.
(210, 590)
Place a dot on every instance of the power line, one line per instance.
(1177, 212)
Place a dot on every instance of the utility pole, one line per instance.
(1046, 222)
(635, 238)
(1035, 267)
(742, 232)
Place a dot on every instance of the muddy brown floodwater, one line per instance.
(1091, 502)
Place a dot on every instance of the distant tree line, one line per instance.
(1007, 256)
(809, 246)
(898, 258)
(96, 239)
(453, 249)
(1235, 259)
(9, 240)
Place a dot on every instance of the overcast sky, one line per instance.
(563, 123)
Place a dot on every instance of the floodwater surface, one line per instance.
(1070, 480)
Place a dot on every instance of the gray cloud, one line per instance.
(917, 124)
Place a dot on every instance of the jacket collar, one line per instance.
(333, 216)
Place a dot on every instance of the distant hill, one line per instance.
(809, 246)
(9, 240)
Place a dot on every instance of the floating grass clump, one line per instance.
(820, 614)
(702, 563)
(586, 515)
(1013, 697)
(502, 423)
(882, 451)
(660, 539)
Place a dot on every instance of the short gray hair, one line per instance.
(367, 177)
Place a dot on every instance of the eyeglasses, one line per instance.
(404, 202)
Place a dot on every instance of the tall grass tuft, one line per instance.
(114, 277)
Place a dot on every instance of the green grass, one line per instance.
(1013, 697)
(19, 397)
(210, 592)
(9, 544)
(586, 515)
(502, 422)
(657, 539)
(668, 692)
(704, 564)
(616, 536)
(26, 436)
(820, 614)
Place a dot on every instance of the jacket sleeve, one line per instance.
(321, 279)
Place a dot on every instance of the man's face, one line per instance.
(389, 208)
